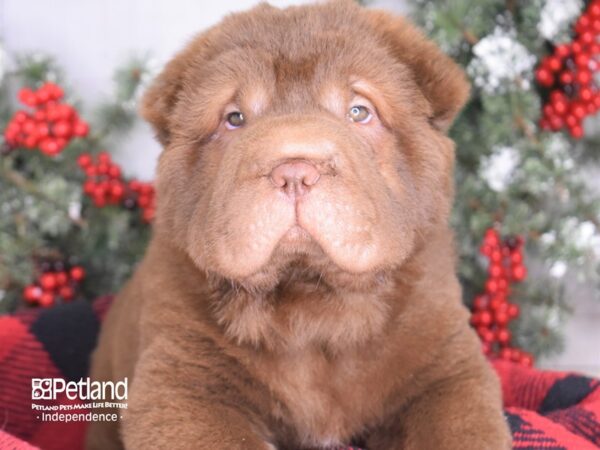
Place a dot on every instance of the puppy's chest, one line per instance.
(326, 402)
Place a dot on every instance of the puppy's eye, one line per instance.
(234, 120)
(359, 114)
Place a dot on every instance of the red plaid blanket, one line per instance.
(545, 410)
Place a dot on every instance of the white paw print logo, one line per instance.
(41, 389)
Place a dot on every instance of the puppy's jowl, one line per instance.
(299, 291)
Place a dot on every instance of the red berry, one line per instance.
(91, 171)
(557, 95)
(502, 285)
(503, 336)
(54, 91)
(81, 128)
(84, 160)
(560, 106)
(89, 187)
(582, 60)
(582, 23)
(513, 310)
(586, 37)
(519, 272)
(62, 128)
(42, 96)
(144, 201)
(48, 281)
(99, 191)
(64, 111)
(114, 171)
(516, 257)
(60, 143)
(135, 185)
(77, 273)
(544, 77)
(566, 77)
(556, 123)
(485, 249)
(100, 202)
(495, 270)
(548, 110)
(496, 302)
(501, 318)
(515, 354)
(49, 146)
(526, 359)
(486, 348)
(32, 293)
(576, 131)
(480, 303)
(104, 157)
(554, 63)
(117, 190)
(148, 214)
(61, 278)
(46, 300)
(20, 116)
(29, 126)
(484, 318)
(66, 292)
(496, 256)
(491, 286)
(102, 168)
(27, 97)
(562, 51)
(505, 354)
(30, 141)
(42, 129)
(571, 120)
(578, 111)
(146, 189)
(583, 77)
(486, 334)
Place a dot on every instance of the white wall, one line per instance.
(91, 38)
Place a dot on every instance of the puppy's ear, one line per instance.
(159, 101)
(160, 98)
(441, 80)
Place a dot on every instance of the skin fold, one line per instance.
(299, 291)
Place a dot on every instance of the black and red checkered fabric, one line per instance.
(545, 410)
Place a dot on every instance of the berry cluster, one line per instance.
(569, 75)
(105, 186)
(57, 284)
(491, 310)
(50, 125)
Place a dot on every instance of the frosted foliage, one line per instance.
(558, 269)
(501, 63)
(559, 149)
(556, 17)
(497, 169)
(583, 236)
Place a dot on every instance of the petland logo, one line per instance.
(85, 396)
(84, 389)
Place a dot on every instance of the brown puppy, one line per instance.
(300, 289)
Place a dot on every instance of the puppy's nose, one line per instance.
(295, 178)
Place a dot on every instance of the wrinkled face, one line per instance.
(297, 138)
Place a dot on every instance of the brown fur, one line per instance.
(254, 322)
